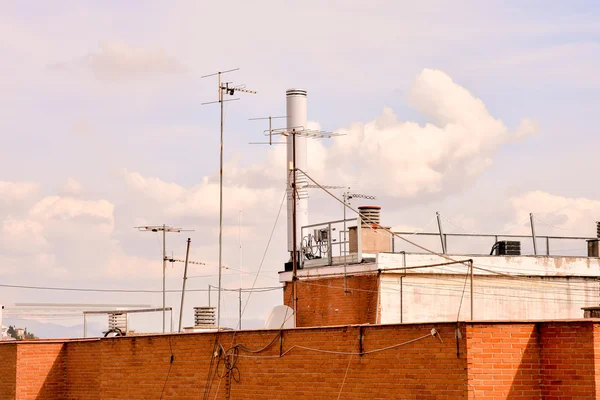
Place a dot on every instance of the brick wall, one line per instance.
(8, 370)
(507, 360)
(323, 302)
(139, 367)
(503, 361)
(552, 360)
(567, 360)
(82, 369)
(40, 371)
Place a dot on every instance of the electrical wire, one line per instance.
(433, 333)
(266, 250)
(552, 226)
(66, 289)
(439, 288)
(462, 295)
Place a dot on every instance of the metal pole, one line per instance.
(187, 254)
(441, 232)
(209, 285)
(533, 234)
(171, 312)
(241, 268)
(220, 207)
(401, 300)
(345, 252)
(547, 246)
(164, 273)
(294, 257)
(240, 300)
(84, 325)
(471, 263)
(329, 245)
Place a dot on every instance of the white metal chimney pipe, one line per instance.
(296, 119)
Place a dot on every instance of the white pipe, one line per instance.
(296, 119)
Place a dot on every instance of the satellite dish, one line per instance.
(281, 317)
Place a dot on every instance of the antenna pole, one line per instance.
(241, 268)
(164, 230)
(222, 91)
(220, 208)
(345, 240)
(187, 254)
(294, 246)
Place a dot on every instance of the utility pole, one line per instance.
(164, 229)
(224, 89)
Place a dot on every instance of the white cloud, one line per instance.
(11, 192)
(23, 236)
(200, 200)
(119, 61)
(556, 214)
(72, 187)
(405, 159)
(66, 208)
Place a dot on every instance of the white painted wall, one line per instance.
(436, 297)
(530, 265)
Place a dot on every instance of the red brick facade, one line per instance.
(509, 360)
(323, 302)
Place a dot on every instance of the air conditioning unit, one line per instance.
(508, 248)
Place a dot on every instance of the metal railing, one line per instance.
(329, 240)
(326, 240)
(444, 239)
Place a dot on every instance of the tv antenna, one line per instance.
(294, 179)
(269, 131)
(224, 89)
(164, 229)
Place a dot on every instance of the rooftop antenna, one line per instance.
(223, 89)
(269, 131)
(347, 197)
(164, 229)
(296, 126)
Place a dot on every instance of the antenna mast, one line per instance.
(296, 162)
(164, 229)
(224, 89)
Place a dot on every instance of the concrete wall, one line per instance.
(528, 265)
(512, 360)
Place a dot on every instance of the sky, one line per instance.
(483, 111)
